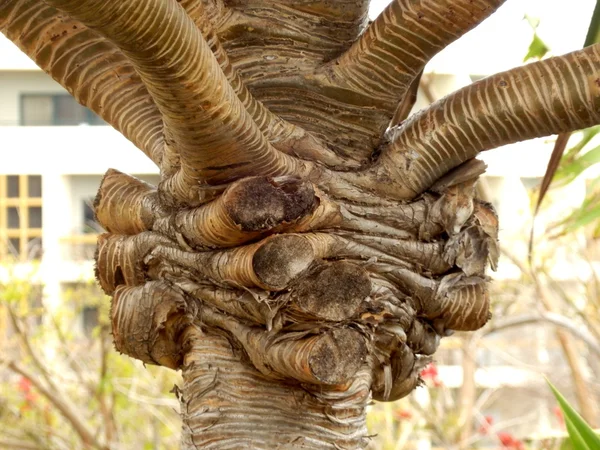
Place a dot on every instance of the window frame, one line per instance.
(54, 122)
(23, 202)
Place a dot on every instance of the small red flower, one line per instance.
(486, 425)
(506, 439)
(24, 385)
(430, 372)
(559, 415)
(403, 414)
(509, 441)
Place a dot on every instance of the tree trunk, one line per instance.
(227, 404)
(307, 247)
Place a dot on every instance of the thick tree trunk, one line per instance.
(307, 248)
(228, 404)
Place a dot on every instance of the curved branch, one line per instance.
(309, 358)
(248, 209)
(155, 313)
(206, 124)
(92, 69)
(544, 317)
(63, 405)
(385, 60)
(548, 97)
(284, 135)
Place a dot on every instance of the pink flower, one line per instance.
(486, 425)
(24, 385)
(430, 372)
(403, 414)
(559, 415)
(509, 441)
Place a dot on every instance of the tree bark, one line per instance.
(296, 259)
(227, 404)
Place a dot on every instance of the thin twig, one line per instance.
(17, 325)
(10, 444)
(67, 410)
(543, 317)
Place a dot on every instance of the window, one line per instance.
(55, 109)
(21, 216)
(90, 225)
(90, 319)
(86, 300)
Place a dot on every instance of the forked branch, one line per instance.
(90, 67)
(395, 48)
(205, 122)
(548, 97)
(284, 135)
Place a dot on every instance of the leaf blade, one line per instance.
(581, 434)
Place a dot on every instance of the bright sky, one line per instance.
(498, 44)
(501, 41)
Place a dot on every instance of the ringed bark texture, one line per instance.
(309, 244)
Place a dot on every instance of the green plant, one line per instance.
(581, 435)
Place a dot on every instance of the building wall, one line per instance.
(15, 83)
(71, 161)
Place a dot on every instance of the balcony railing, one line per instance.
(78, 247)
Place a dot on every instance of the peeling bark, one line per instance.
(296, 259)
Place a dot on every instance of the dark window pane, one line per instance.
(12, 185)
(89, 219)
(34, 183)
(90, 319)
(36, 308)
(34, 248)
(94, 119)
(14, 246)
(67, 111)
(37, 110)
(57, 109)
(35, 217)
(14, 220)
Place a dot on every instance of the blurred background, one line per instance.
(485, 389)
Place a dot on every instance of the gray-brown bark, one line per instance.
(296, 259)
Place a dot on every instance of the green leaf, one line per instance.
(571, 170)
(581, 434)
(585, 217)
(537, 49)
(593, 34)
(588, 212)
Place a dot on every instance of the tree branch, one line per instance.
(11, 444)
(395, 48)
(557, 320)
(284, 136)
(543, 98)
(206, 125)
(17, 325)
(249, 208)
(67, 410)
(92, 69)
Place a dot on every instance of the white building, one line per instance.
(54, 153)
